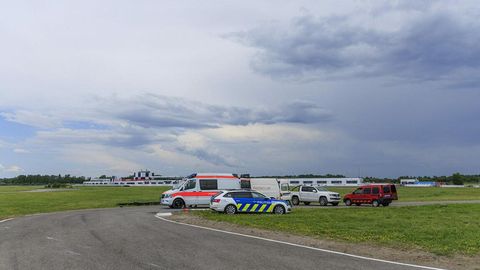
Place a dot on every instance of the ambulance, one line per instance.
(198, 188)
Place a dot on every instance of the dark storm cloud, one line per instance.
(166, 112)
(433, 46)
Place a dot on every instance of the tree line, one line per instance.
(42, 180)
(455, 179)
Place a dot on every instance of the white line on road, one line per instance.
(1, 221)
(295, 245)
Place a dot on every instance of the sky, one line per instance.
(359, 88)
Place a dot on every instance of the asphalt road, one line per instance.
(132, 238)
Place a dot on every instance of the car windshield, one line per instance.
(258, 195)
(322, 189)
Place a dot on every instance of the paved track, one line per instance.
(132, 238)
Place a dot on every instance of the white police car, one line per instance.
(235, 201)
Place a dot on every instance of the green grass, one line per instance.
(417, 194)
(441, 229)
(14, 201)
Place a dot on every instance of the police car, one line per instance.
(246, 201)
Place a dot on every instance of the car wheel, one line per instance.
(279, 210)
(178, 203)
(357, 204)
(375, 203)
(335, 203)
(385, 203)
(348, 202)
(306, 203)
(295, 200)
(323, 201)
(230, 209)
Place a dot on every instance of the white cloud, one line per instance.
(10, 169)
(21, 151)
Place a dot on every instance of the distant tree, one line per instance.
(457, 179)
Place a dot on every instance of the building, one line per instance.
(341, 182)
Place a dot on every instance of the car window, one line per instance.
(241, 194)
(208, 184)
(375, 190)
(394, 189)
(321, 189)
(308, 189)
(295, 188)
(245, 184)
(190, 185)
(358, 191)
(228, 195)
(367, 190)
(257, 195)
(386, 189)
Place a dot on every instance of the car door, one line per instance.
(367, 195)
(357, 195)
(189, 192)
(308, 194)
(208, 188)
(261, 203)
(244, 200)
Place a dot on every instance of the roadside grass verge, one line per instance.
(440, 229)
(418, 194)
(15, 202)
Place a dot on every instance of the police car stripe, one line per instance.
(238, 206)
(261, 208)
(246, 207)
(270, 209)
(254, 207)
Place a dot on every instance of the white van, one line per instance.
(199, 188)
(272, 187)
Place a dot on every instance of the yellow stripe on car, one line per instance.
(254, 207)
(238, 206)
(246, 207)
(261, 208)
(270, 209)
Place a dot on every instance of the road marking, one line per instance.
(51, 238)
(296, 245)
(163, 214)
(1, 221)
(154, 265)
(72, 252)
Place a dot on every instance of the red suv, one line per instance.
(374, 194)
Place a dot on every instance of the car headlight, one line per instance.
(167, 196)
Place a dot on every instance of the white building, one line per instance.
(347, 182)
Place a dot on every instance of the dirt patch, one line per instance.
(412, 256)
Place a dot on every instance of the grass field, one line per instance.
(15, 201)
(417, 194)
(441, 229)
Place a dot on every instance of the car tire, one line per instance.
(335, 203)
(295, 200)
(230, 209)
(323, 201)
(279, 210)
(358, 204)
(348, 202)
(306, 203)
(375, 203)
(178, 203)
(385, 204)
